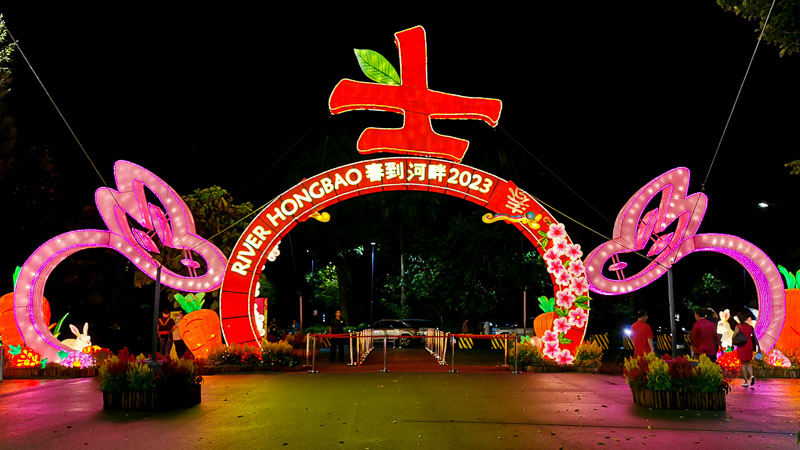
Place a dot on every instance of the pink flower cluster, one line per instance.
(78, 359)
(563, 261)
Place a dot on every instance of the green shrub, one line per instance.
(658, 376)
(529, 355)
(588, 354)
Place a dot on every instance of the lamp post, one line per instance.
(156, 312)
(372, 285)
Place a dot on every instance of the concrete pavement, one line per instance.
(397, 410)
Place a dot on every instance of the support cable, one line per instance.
(58, 110)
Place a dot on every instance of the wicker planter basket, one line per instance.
(543, 368)
(69, 372)
(549, 368)
(152, 400)
(679, 400)
(22, 372)
(776, 373)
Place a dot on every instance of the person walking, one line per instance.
(177, 340)
(745, 351)
(642, 335)
(165, 324)
(705, 340)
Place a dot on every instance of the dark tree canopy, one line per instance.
(783, 28)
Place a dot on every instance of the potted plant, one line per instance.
(237, 358)
(676, 384)
(530, 357)
(588, 357)
(130, 384)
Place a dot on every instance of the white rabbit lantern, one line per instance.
(724, 329)
(81, 341)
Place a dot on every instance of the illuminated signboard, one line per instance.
(237, 299)
(635, 230)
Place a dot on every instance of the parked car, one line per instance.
(396, 331)
(421, 326)
(515, 328)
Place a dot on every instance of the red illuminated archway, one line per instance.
(312, 195)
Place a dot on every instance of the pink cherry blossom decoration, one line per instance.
(578, 317)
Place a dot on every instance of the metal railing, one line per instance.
(362, 343)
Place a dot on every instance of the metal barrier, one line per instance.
(470, 337)
(364, 344)
(436, 344)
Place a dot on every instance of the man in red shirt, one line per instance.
(705, 339)
(642, 335)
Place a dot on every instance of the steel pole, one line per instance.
(156, 312)
(671, 309)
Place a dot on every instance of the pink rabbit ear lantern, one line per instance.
(121, 209)
(637, 230)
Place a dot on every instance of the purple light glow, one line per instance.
(633, 231)
(176, 231)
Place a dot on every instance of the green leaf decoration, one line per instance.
(565, 341)
(16, 275)
(191, 302)
(15, 349)
(561, 312)
(62, 354)
(44, 363)
(791, 280)
(584, 306)
(58, 326)
(547, 304)
(544, 242)
(376, 67)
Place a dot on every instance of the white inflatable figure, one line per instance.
(259, 321)
(537, 341)
(724, 329)
(81, 341)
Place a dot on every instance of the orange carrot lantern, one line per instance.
(789, 339)
(544, 321)
(200, 328)
(8, 325)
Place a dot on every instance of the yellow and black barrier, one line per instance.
(499, 344)
(464, 343)
(600, 339)
(627, 343)
(664, 342)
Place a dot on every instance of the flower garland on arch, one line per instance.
(568, 272)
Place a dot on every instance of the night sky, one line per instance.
(595, 101)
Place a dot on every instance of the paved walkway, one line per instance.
(397, 410)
